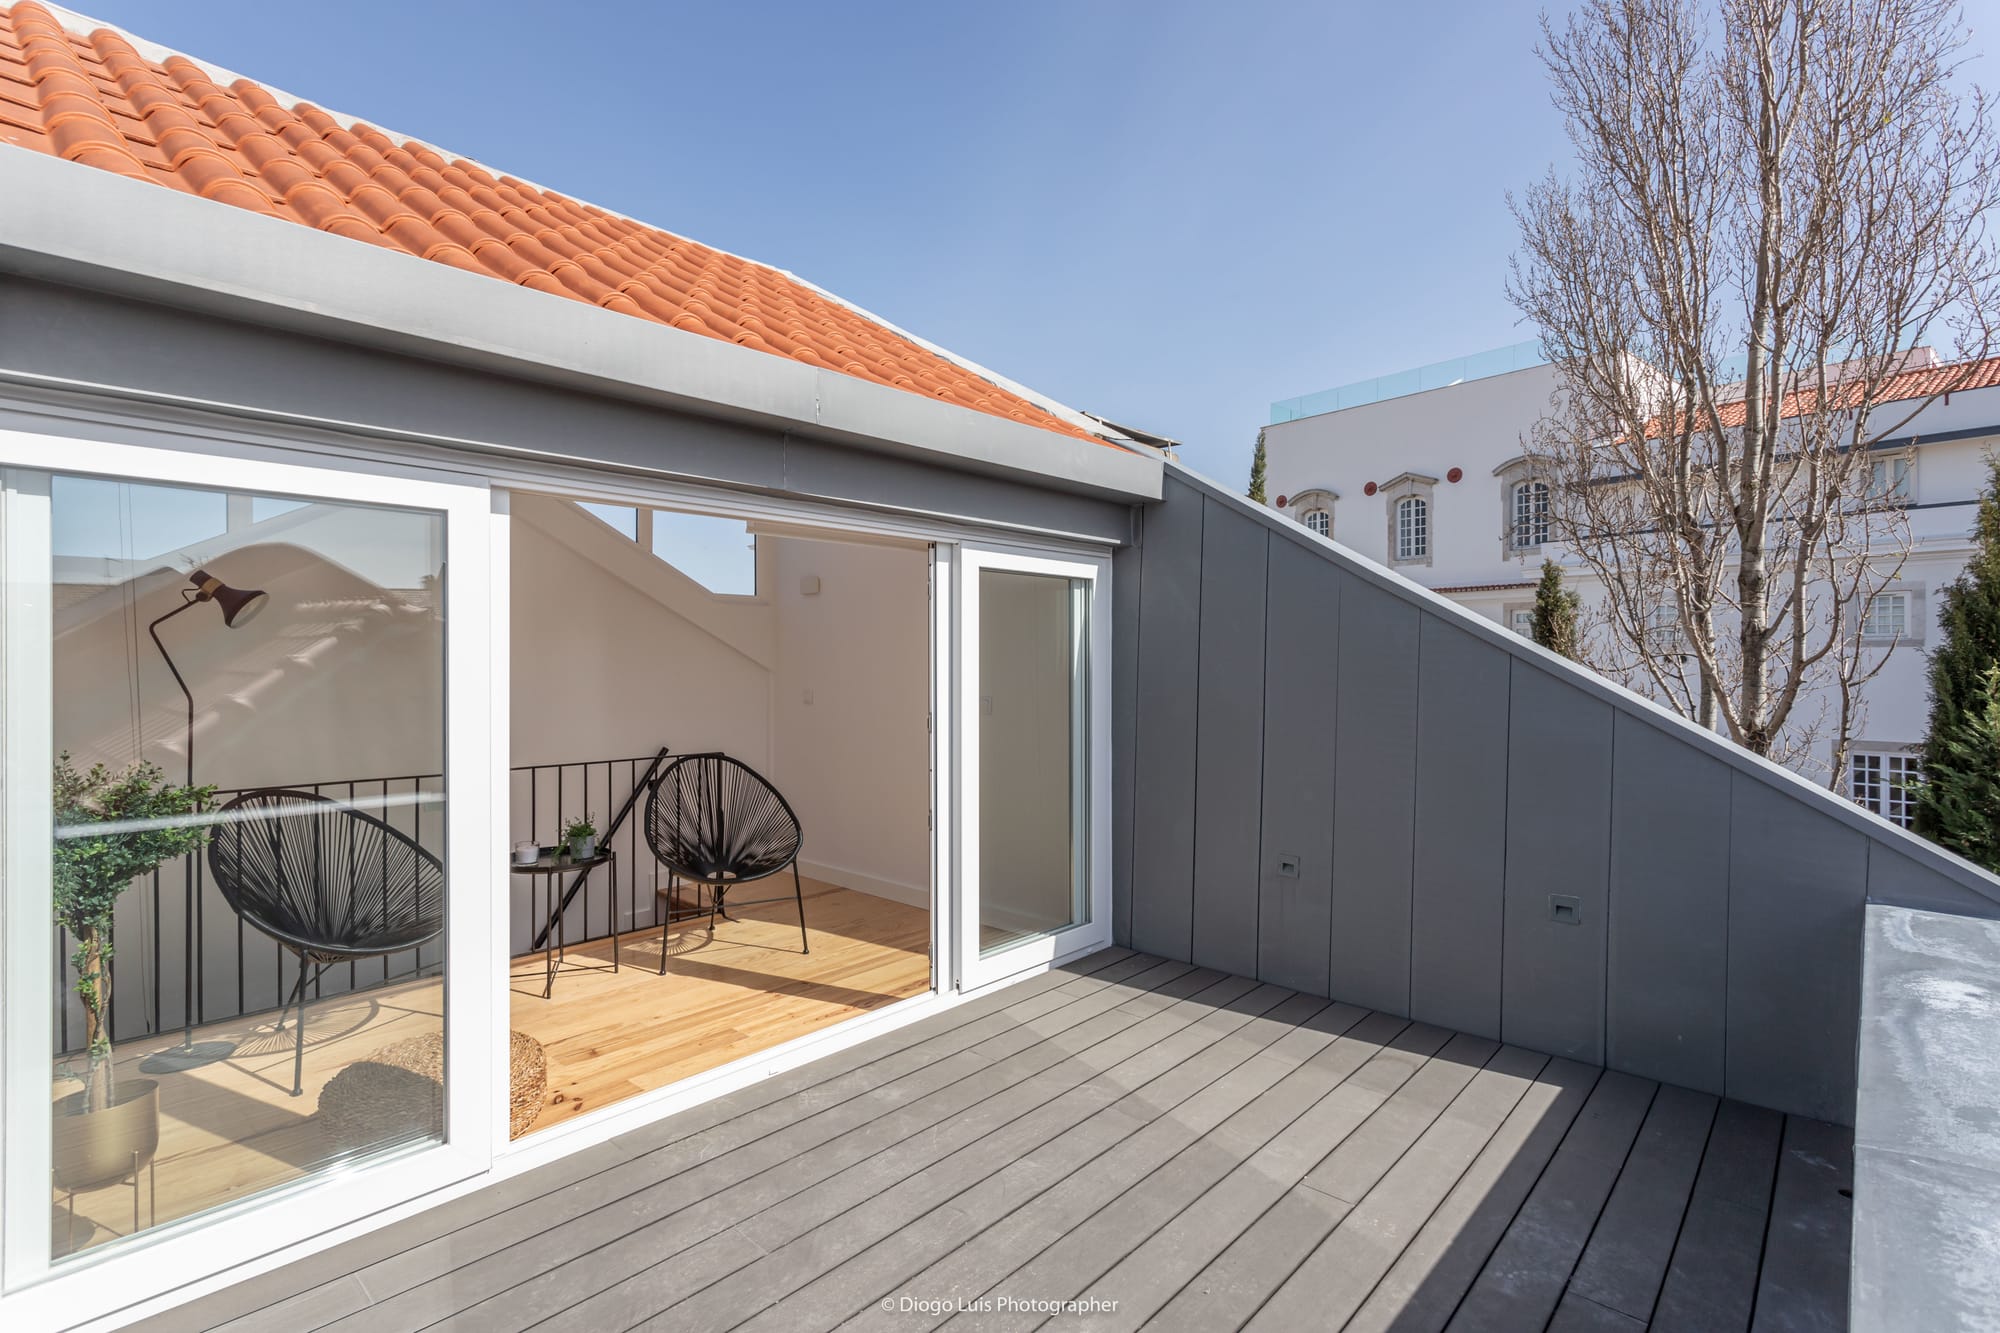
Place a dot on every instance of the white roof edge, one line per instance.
(65, 222)
(83, 25)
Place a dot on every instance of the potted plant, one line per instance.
(105, 1132)
(581, 837)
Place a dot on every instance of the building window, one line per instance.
(1889, 479)
(1406, 505)
(1886, 783)
(1312, 509)
(1413, 528)
(1531, 515)
(1521, 619)
(1663, 632)
(1894, 616)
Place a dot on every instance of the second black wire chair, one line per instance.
(714, 821)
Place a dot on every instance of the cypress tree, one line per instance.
(1957, 805)
(1556, 613)
(1256, 491)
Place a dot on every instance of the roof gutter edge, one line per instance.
(68, 223)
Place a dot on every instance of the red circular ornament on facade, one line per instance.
(1369, 489)
(1281, 502)
(1455, 476)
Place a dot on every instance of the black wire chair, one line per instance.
(326, 881)
(714, 821)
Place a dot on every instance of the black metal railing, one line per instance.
(552, 794)
(181, 958)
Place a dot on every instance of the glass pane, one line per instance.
(718, 553)
(247, 875)
(622, 517)
(1033, 756)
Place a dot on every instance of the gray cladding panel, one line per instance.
(1797, 892)
(1374, 813)
(1896, 879)
(1163, 770)
(1461, 830)
(1229, 779)
(1669, 951)
(1558, 822)
(1301, 654)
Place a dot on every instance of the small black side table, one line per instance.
(549, 870)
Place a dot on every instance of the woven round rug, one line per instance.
(397, 1093)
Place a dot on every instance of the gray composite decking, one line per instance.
(1199, 1150)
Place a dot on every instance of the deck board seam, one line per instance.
(1220, 1038)
(1189, 1000)
(1306, 1181)
(1500, 1238)
(1159, 982)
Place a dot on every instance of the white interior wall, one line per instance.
(604, 670)
(616, 653)
(852, 715)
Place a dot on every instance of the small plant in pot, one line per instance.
(105, 1131)
(580, 836)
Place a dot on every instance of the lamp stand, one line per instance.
(188, 1055)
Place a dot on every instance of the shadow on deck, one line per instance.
(1180, 1148)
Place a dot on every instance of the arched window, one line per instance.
(1319, 520)
(1531, 515)
(1413, 528)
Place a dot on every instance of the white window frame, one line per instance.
(1882, 758)
(1409, 486)
(962, 566)
(1413, 530)
(1518, 471)
(1901, 490)
(1537, 522)
(1318, 521)
(1510, 615)
(1912, 635)
(38, 1291)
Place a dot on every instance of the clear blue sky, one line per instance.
(1166, 213)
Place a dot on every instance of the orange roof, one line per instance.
(1928, 382)
(96, 100)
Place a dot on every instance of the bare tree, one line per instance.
(1773, 204)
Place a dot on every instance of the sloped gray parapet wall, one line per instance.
(1927, 1125)
(1334, 780)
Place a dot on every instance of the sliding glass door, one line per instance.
(236, 848)
(1032, 728)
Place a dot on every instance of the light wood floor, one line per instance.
(610, 1035)
(232, 1128)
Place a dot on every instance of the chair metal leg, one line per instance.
(798, 893)
(714, 906)
(666, 919)
(299, 1026)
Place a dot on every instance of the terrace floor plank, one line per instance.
(1188, 1149)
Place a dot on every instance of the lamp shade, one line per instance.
(239, 606)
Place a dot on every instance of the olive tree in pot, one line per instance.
(105, 1132)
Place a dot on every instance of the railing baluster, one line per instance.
(582, 776)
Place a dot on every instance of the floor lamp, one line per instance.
(238, 608)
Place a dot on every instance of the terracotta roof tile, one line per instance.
(1928, 382)
(97, 100)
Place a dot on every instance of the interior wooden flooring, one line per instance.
(232, 1129)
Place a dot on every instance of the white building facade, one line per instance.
(1430, 473)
